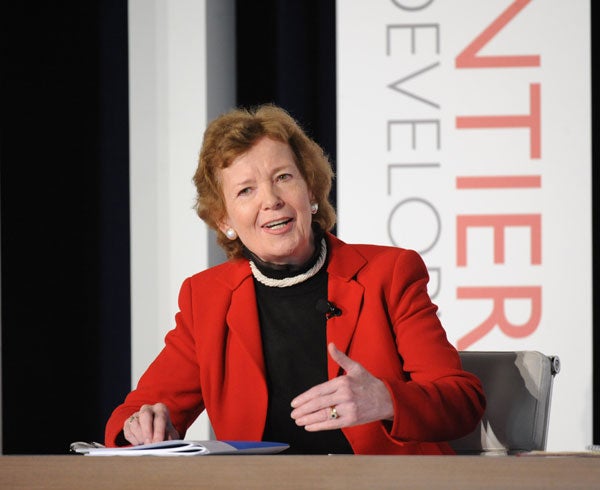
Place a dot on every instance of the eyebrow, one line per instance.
(284, 167)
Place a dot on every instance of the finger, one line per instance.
(130, 428)
(160, 427)
(342, 360)
(317, 391)
(172, 433)
(327, 387)
(146, 420)
(322, 419)
(161, 422)
(313, 406)
(317, 417)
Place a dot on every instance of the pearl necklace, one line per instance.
(291, 281)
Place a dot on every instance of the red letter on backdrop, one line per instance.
(469, 59)
(499, 182)
(499, 222)
(499, 295)
(531, 121)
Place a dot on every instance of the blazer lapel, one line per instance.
(346, 294)
(242, 319)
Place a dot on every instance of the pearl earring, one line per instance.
(314, 207)
(231, 234)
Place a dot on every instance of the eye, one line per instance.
(283, 177)
(244, 192)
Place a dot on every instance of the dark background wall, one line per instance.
(65, 204)
(65, 220)
(286, 54)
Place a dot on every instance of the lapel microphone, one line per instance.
(329, 309)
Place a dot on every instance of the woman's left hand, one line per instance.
(357, 397)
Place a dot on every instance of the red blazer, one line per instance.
(213, 357)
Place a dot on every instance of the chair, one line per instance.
(518, 388)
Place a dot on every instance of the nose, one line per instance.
(270, 198)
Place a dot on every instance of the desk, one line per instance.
(299, 472)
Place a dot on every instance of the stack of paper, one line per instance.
(182, 448)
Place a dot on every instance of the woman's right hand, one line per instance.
(152, 423)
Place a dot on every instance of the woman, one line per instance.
(298, 337)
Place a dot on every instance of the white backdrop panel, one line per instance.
(464, 132)
(169, 91)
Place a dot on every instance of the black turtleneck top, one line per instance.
(294, 343)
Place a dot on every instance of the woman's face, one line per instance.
(268, 203)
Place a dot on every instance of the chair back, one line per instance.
(518, 388)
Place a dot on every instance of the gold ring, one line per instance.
(333, 413)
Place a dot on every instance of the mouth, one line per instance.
(275, 225)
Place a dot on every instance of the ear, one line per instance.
(223, 225)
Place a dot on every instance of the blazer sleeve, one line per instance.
(435, 399)
(173, 378)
